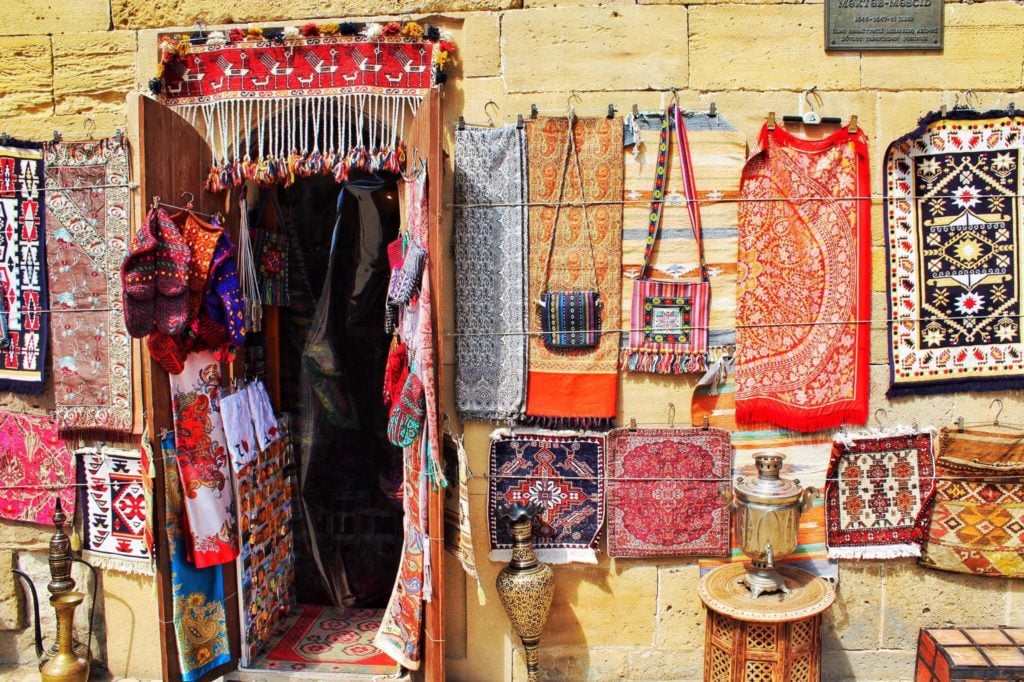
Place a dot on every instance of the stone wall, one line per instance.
(637, 620)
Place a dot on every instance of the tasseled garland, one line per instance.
(640, 360)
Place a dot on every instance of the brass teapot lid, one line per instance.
(768, 488)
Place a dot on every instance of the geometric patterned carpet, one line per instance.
(325, 639)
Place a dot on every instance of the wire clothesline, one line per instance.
(671, 201)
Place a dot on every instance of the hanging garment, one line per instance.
(580, 387)
(564, 475)
(239, 432)
(115, 519)
(954, 195)
(490, 275)
(87, 216)
(35, 469)
(878, 494)
(804, 287)
(23, 280)
(665, 492)
(978, 515)
(458, 530)
(199, 610)
(202, 459)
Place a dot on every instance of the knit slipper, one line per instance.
(138, 279)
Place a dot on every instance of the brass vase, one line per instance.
(526, 586)
(66, 665)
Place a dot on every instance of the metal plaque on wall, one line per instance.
(883, 24)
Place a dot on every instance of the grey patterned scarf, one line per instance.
(490, 280)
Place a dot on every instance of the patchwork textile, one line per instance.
(270, 252)
(35, 468)
(665, 492)
(977, 523)
(575, 387)
(878, 494)
(319, 639)
(202, 458)
(491, 280)
(115, 520)
(718, 153)
(804, 284)
(23, 282)
(458, 531)
(564, 475)
(87, 221)
(807, 458)
(239, 432)
(954, 193)
(200, 622)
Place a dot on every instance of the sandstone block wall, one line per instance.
(636, 619)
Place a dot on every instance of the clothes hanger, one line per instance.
(811, 116)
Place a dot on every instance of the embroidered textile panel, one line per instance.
(954, 192)
(35, 467)
(491, 279)
(87, 216)
(23, 283)
(564, 475)
(804, 283)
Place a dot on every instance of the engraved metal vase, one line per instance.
(66, 665)
(767, 517)
(526, 586)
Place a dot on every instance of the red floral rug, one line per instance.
(664, 492)
(319, 639)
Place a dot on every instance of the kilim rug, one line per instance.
(35, 468)
(564, 475)
(977, 523)
(87, 221)
(317, 639)
(23, 284)
(579, 387)
(202, 459)
(200, 622)
(954, 195)
(878, 494)
(114, 518)
(665, 492)
(804, 283)
(807, 458)
(718, 153)
(490, 284)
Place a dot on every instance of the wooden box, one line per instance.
(968, 654)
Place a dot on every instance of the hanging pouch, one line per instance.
(669, 318)
(407, 413)
(570, 320)
(405, 280)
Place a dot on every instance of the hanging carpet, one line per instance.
(578, 387)
(954, 195)
(114, 518)
(977, 523)
(489, 228)
(87, 221)
(878, 494)
(35, 468)
(23, 281)
(804, 283)
(665, 492)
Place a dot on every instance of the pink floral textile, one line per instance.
(35, 468)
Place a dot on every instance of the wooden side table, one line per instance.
(774, 638)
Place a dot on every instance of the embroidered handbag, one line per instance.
(669, 319)
(406, 279)
(570, 320)
(407, 413)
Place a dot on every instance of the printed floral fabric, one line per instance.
(200, 622)
(23, 282)
(202, 458)
(87, 215)
(116, 519)
(954, 198)
(804, 284)
(877, 495)
(490, 236)
(35, 468)
(665, 492)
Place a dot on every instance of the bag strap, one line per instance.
(570, 150)
(689, 191)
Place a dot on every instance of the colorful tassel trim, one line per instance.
(641, 360)
(570, 423)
